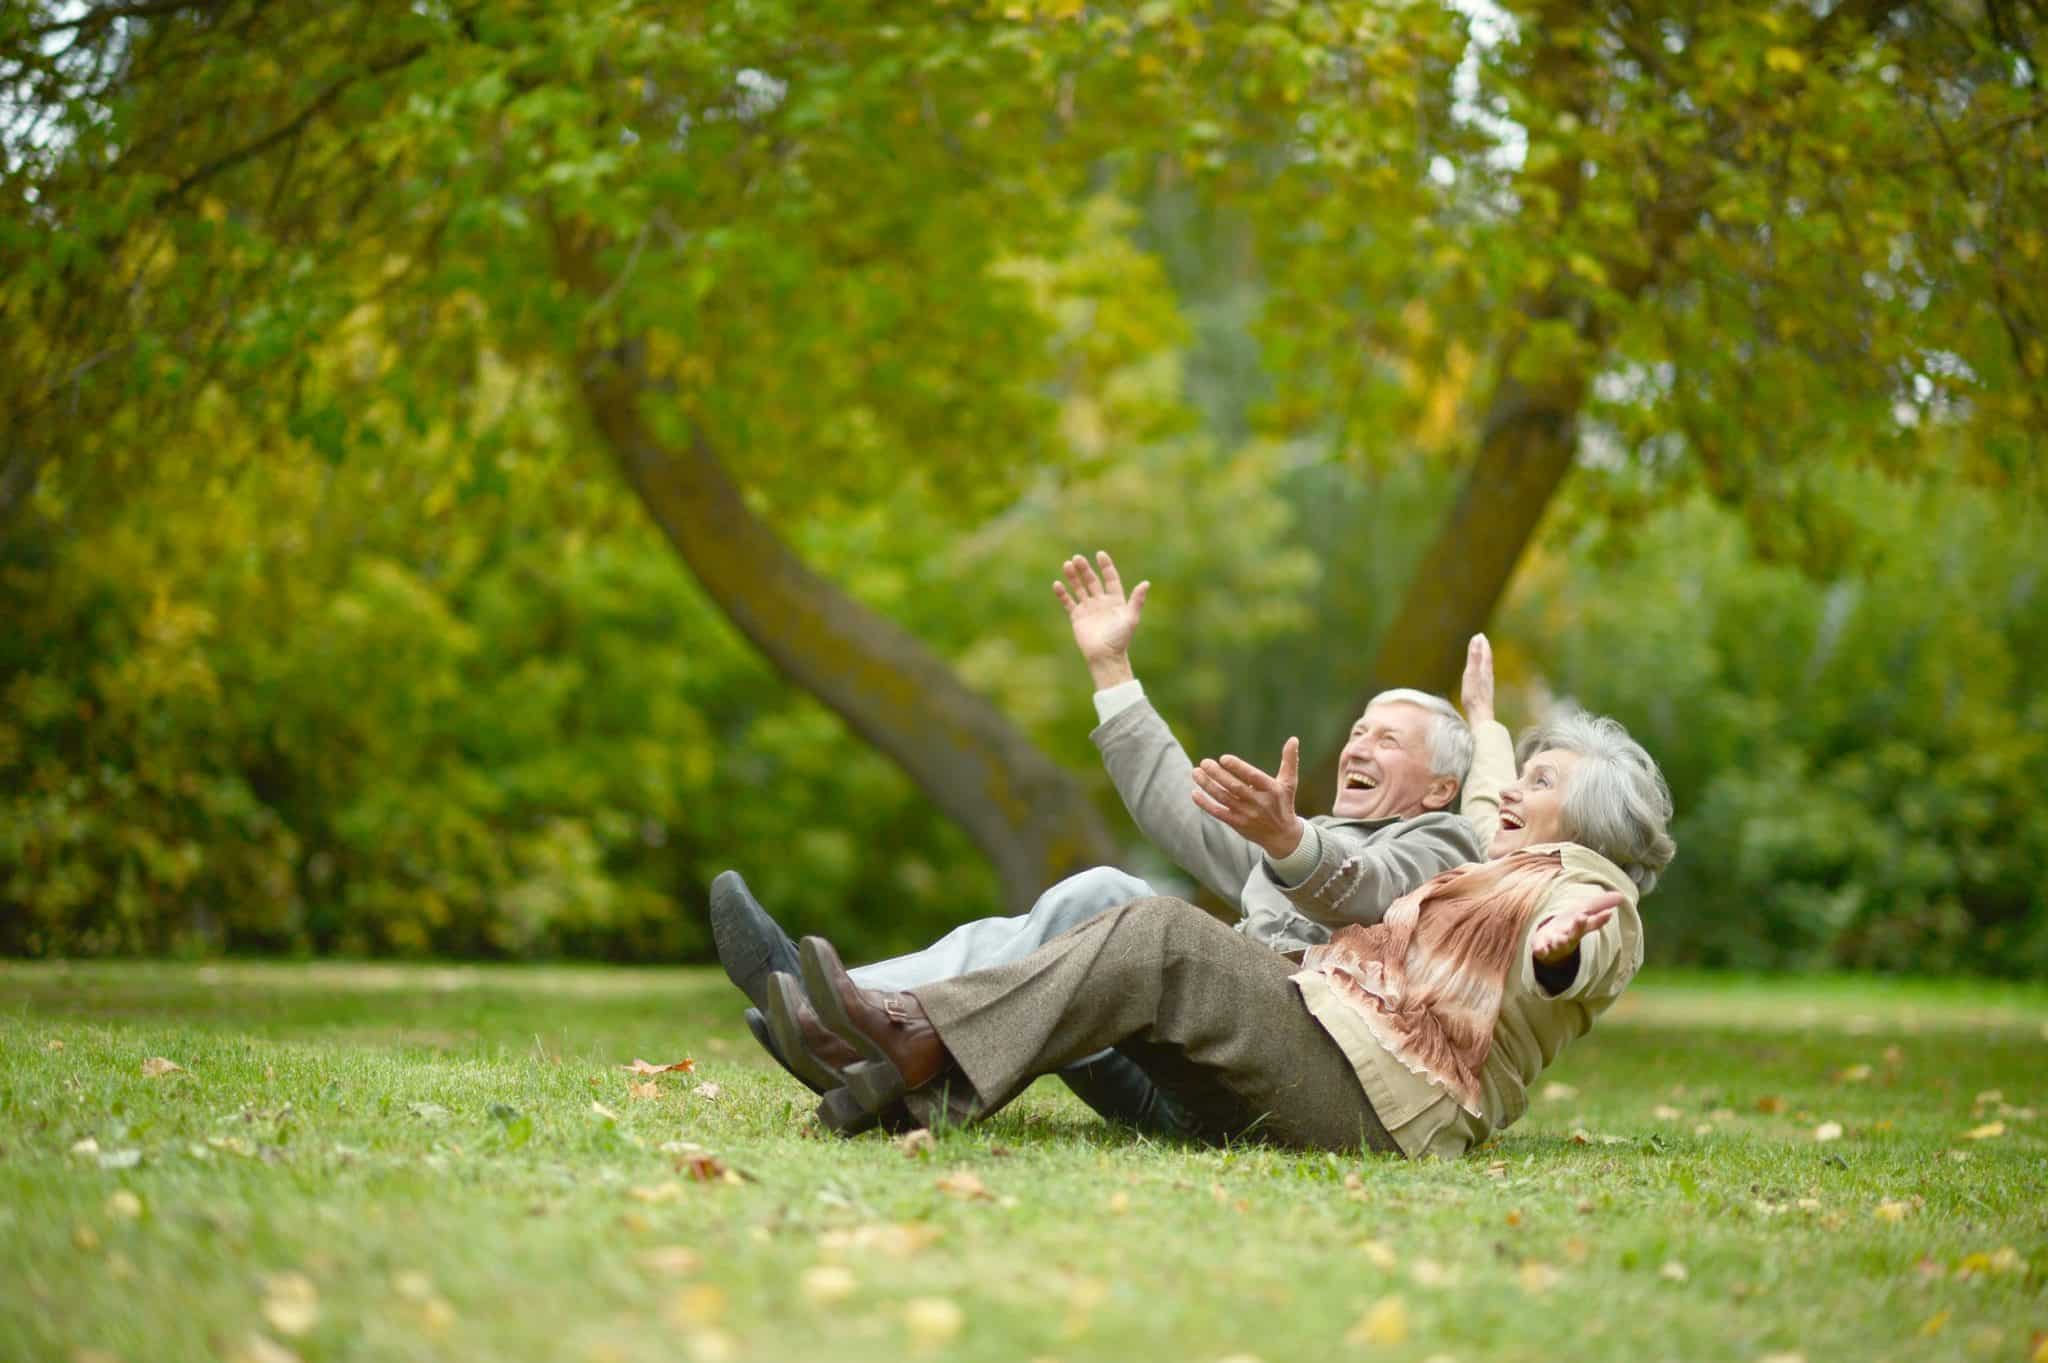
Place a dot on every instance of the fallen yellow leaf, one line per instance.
(156, 1067)
(1384, 1325)
(642, 1091)
(1379, 1254)
(931, 1321)
(697, 1305)
(1891, 1211)
(827, 1284)
(1119, 1203)
(679, 1260)
(1828, 1131)
(1673, 1271)
(290, 1302)
(1932, 1325)
(123, 1205)
(964, 1184)
(1538, 1277)
(1985, 1132)
(600, 1110)
(891, 1240)
(707, 1091)
(1664, 1112)
(1855, 1074)
(263, 1349)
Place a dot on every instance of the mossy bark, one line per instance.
(1031, 817)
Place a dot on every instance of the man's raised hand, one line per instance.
(1258, 806)
(1477, 692)
(1103, 619)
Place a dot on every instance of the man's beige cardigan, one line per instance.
(1533, 1027)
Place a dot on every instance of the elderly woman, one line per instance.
(1418, 1034)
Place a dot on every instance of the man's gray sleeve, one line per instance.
(1355, 879)
(1152, 773)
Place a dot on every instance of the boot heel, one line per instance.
(841, 1112)
(876, 1083)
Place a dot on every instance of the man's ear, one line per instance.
(1443, 790)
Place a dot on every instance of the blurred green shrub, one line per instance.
(1854, 761)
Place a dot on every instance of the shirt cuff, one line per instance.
(1116, 699)
(1299, 864)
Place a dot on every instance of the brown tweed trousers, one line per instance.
(1209, 1014)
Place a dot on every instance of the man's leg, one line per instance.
(989, 942)
(1214, 1014)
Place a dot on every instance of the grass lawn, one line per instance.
(429, 1163)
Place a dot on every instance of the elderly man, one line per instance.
(1230, 825)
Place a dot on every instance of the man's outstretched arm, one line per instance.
(1147, 764)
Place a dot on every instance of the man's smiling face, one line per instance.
(1384, 770)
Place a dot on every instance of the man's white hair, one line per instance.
(1616, 801)
(1450, 738)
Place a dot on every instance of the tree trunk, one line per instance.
(1524, 454)
(1031, 817)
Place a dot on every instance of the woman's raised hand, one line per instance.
(1477, 692)
(1558, 936)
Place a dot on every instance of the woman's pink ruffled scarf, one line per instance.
(1427, 979)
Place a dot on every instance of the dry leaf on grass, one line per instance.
(915, 1144)
(931, 1321)
(156, 1067)
(1664, 1112)
(1828, 1131)
(1988, 1131)
(1119, 1203)
(1854, 1074)
(891, 1240)
(708, 1092)
(1931, 1327)
(696, 1305)
(600, 1110)
(655, 1194)
(641, 1092)
(1892, 1211)
(677, 1260)
(1379, 1254)
(827, 1284)
(290, 1303)
(1385, 1324)
(123, 1205)
(1770, 1103)
(88, 1146)
(639, 1066)
(53, 1045)
(1537, 1277)
(1559, 1093)
(964, 1184)
(1673, 1272)
(263, 1349)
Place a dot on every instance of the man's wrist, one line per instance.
(1286, 844)
(1114, 670)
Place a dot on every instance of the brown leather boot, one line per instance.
(901, 1049)
(810, 1049)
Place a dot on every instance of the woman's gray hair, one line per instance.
(1450, 738)
(1616, 801)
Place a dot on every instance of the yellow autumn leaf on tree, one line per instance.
(1785, 59)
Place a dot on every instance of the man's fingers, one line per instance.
(1072, 573)
(1110, 577)
(1138, 600)
(1059, 589)
(1216, 810)
(1219, 782)
(1290, 765)
(1088, 577)
(1247, 773)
